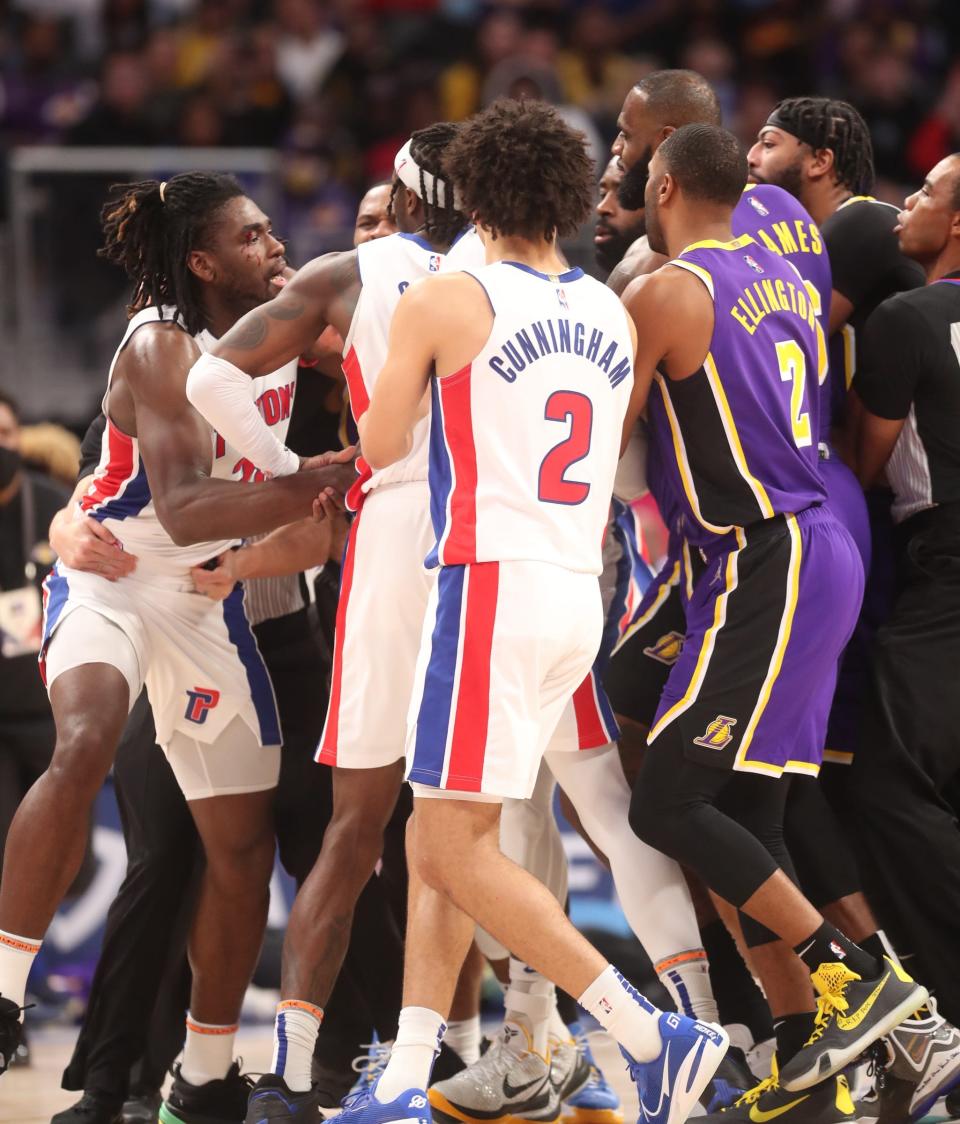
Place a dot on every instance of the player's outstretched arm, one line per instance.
(386, 429)
(323, 292)
(176, 449)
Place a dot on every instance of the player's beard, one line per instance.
(790, 179)
(633, 186)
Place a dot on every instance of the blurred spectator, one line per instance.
(938, 134)
(308, 45)
(595, 74)
(119, 115)
(498, 38)
(52, 450)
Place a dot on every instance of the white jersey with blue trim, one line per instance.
(388, 266)
(525, 439)
(119, 494)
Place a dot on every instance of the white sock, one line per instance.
(208, 1051)
(687, 977)
(625, 1013)
(294, 1036)
(463, 1035)
(17, 955)
(419, 1034)
(529, 1001)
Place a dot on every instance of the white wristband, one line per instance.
(224, 395)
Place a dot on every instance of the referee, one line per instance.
(907, 768)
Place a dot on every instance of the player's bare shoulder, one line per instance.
(153, 364)
(638, 261)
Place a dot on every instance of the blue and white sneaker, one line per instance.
(670, 1086)
(596, 1102)
(411, 1107)
(368, 1066)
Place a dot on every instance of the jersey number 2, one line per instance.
(577, 409)
(793, 369)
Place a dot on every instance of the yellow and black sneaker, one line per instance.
(827, 1103)
(851, 1014)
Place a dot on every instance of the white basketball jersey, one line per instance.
(524, 442)
(119, 495)
(387, 266)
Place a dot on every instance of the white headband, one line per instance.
(409, 173)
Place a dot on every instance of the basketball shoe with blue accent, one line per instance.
(411, 1107)
(732, 1079)
(271, 1100)
(669, 1086)
(369, 1065)
(596, 1102)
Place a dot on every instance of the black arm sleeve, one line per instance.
(891, 358)
(863, 250)
(90, 447)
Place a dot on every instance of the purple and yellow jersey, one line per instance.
(778, 221)
(737, 439)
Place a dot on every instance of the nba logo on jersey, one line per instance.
(754, 265)
(200, 701)
(758, 206)
(717, 733)
(434, 264)
(562, 298)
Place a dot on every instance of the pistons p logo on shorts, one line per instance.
(200, 701)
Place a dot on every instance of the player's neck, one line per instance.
(947, 261)
(542, 256)
(689, 233)
(824, 200)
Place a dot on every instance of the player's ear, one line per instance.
(820, 163)
(666, 189)
(201, 265)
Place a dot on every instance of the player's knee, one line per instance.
(82, 758)
(357, 836)
(651, 822)
(242, 862)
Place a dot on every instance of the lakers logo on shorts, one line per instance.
(718, 733)
(667, 649)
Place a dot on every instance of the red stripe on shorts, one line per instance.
(359, 399)
(590, 728)
(460, 544)
(469, 741)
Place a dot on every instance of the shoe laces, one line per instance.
(371, 1064)
(831, 981)
(751, 1096)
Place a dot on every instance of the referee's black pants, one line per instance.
(134, 1025)
(906, 772)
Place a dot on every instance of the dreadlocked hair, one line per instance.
(428, 146)
(150, 228)
(828, 123)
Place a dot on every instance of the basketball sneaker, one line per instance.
(510, 1079)
(213, 1102)
(595, 1102)
(272, 1099)
(411, 1107)
(92, 1108)
(851, 1014)
(11, 1032)
(368, 1066)
(732, 1079)
(669, 1086)
(829, 1102)
(569, 1069)
(918, 1063)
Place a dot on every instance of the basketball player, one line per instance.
(200, 254)
(616, 228)
(384, 587)
(521, 477)
(748, 679)
(374, 215)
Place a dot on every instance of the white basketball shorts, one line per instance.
(198, 658)
(504, 647)
(384, 588)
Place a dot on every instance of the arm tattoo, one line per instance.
(248, 334)
(284, 310)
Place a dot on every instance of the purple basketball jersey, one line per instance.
(737, 440)
(774, 218)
